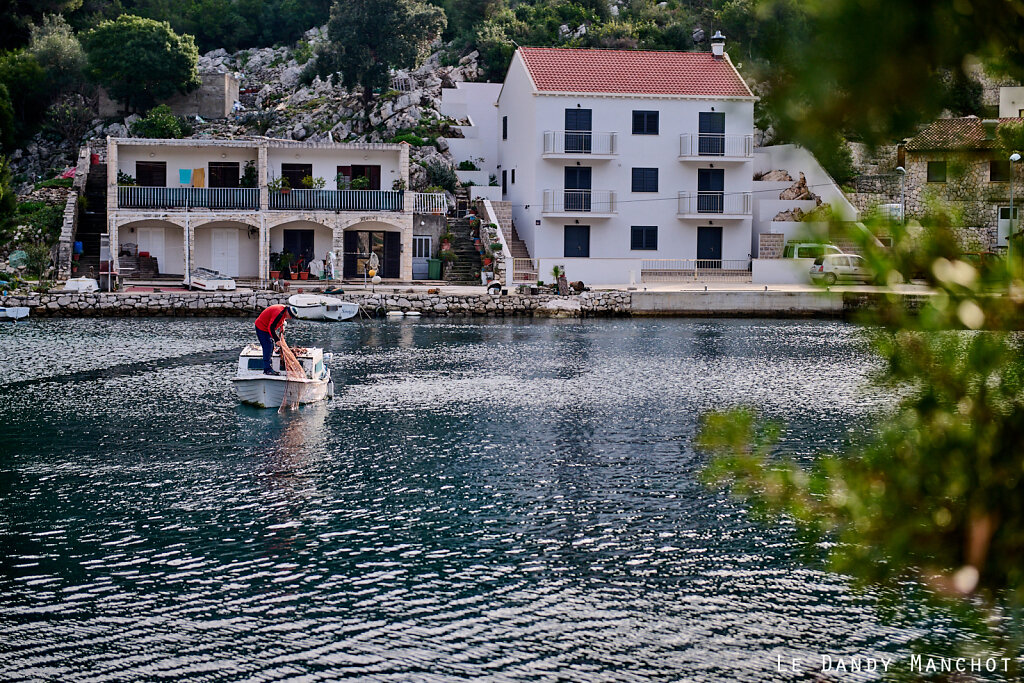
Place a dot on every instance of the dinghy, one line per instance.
(13, 312)
(271, 391)
(320, 307)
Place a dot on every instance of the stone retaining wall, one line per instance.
(73, 304)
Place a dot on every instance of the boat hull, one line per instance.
(269, 391)
(317, 307)
(13, 312)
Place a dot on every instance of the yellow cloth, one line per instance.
(199, 177)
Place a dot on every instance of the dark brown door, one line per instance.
(294, 173)
(151, 173)
(224, 174)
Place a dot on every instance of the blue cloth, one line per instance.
(267, 342)
(185, 176)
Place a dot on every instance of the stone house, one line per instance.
(217, 204)
(958, 162)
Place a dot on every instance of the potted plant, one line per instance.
(304, 275)
(279, 185)
(361, 183)
(448, 257)
(495, 246)
(311, 183)
(446, 241)
(284, 262)
(487, 258)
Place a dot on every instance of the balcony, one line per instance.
(337, 200)
(716, 147)
(212, 198)
(714, 205)
(562, 144)
(573, 203)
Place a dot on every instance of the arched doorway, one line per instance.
(228, 247)
(303, 240)
(161, 241)
(372, 237)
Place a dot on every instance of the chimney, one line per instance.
(718, 45)
(990, 126)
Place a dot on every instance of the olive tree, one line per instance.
(141, 61)
(366, 38)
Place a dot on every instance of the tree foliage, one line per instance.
(161, 122)
(18, 16)
(140, 61)
(57, 49)
(29, 90)
(369, 37)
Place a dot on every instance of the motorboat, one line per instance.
(209, 280)
(13, 312)
(269, 391)
(320, 307)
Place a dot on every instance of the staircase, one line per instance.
(93, 221)
(466, 269)
(520, 251)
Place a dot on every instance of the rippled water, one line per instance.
(503, 501)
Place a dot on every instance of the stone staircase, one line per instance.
(93, 221)
(466, 269)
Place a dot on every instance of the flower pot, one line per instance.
(295, 276)
(275, 274)
(286, 190)
(76, 256)
(487, 261)
(446, 245)
(304, 275)
(74, 268)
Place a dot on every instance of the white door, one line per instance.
(224, 258)
(1005, 224)
(152, 240)
(420, 254)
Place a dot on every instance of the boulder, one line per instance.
(799, 190)
(777, 177)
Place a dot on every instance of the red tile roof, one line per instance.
(632, 72)
(963, 133)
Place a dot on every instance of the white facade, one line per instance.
(535, 153)
(190, 209)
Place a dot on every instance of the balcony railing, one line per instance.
(715, 145)
(215, 198)
(431, 202)
(734, 203)
(338, 200)
(581, 201)
(579, 142)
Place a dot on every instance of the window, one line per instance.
(421, 246)
(645, 123)
(346, 174)
(936, 171)
(294, 173)
(578, 123)
(224, 174)
(577, 241)
(999, 171)
(513, 176)
(645, 180)
(151, 173)
(504, 182)
(643, 237)
(711, 137)
(504, 128)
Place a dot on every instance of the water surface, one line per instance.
(481, 500)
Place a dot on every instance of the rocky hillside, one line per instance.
(281, 98)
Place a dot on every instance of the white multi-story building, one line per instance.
(219, 204)
(618, 163)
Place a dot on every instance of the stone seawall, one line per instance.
(96, 304)
(742, 303)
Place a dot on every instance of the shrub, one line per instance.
(125, 178)
(442, 175)
(411, 138)
(160, 122)
(55, 182)
(467, 165)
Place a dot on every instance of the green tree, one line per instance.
(58, 51)
(140, 61)
(161, 122)
(8, 198)
(18, 16)
(28, 88)
(369, 37)
(6, 119)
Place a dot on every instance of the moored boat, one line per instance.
(13, 312)
(269, 391)
(320, 307)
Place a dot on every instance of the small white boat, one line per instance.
(81, 284)
(13, 312)
(268, 391)
(321, 307)
(210, 280)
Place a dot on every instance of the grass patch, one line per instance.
(54, 182)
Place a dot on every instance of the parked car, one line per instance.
(796, 249)
(834, 267)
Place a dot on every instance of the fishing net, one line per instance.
(296, 384)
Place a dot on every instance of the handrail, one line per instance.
(583, 201)
(338, 200)
(431, 202)
(715, 203)
(224, 198)
(580, 142)
(715, 145)
(695, 270)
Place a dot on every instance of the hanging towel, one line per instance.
(185, 176)
(199, 177)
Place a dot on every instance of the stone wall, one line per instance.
(97, 304)
(967, 188)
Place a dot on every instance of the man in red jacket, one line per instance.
(270, 331)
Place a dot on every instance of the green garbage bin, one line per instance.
(433, 269)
